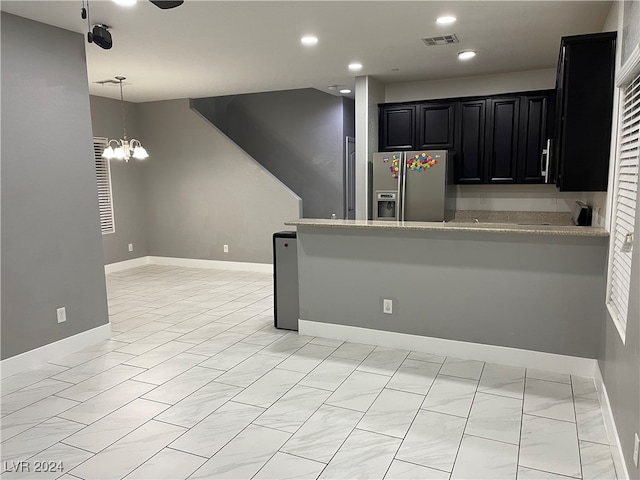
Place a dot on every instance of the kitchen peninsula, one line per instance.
(533, 287)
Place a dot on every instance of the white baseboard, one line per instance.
(217, 264)
(584, 367)
(125, 265)
(610, 424)
(188, 263)
(37, 356)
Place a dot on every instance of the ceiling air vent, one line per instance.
(440, 40)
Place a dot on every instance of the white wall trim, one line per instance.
(37, 356)
(584, 367)
(125, 265)
(630, 69)
(189, 263)
(610, 425)
(217, 264)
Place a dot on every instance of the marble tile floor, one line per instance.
(197, 383)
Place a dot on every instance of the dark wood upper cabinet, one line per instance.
(469, 166)
(397, 127)
(492, 139)
(436, 125)
(502, 139)
(533, 137)
(584, 110)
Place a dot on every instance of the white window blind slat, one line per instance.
(625, 204)
(103, 182)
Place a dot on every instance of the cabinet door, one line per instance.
(470, 142)
(533, 137)
(502, 139)
(586, 106)
(435, 125)
(397, 127)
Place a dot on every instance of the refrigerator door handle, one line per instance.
(403, 178)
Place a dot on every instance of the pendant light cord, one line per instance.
(124, 129)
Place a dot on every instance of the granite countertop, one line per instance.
(455, 226)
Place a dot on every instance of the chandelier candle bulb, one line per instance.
(124, 149)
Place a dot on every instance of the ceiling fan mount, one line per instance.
(167, 4)
(100, 34)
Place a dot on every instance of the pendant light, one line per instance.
(124, 149)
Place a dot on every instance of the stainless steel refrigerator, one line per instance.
(413, 186)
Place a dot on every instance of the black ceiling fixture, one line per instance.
(100, 36)
(100, 33)
(167, 4)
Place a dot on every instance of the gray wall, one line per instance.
(543, 293)
(202, 191)
(631, 29)
(127, 182)
(471, 86)
(295, 134)
(51, 246)
(348, 130)
(620, 363)
(348, 117)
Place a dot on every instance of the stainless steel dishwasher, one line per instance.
(285, 280)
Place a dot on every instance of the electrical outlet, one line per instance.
(636, 446)
(61, 313)
(131, 247)
(483, 199)
(554, 199)
(387, 306)
(225, 248)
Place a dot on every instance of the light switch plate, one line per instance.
(387, 306)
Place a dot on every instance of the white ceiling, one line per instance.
(210, 48)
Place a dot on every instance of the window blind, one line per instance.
(103, 178)
(625, 205)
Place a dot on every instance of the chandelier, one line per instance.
(124, 149)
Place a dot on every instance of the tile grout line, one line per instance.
(113, 443)
(524, 393)
(484, 364)
(153, 279)
(363, 414)
(575, 416)
(416, 416)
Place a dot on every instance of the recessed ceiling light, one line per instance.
(446, 20)
(345, 90)
(466, 54)
(309, 40)
(355, 66)
(125, 3)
